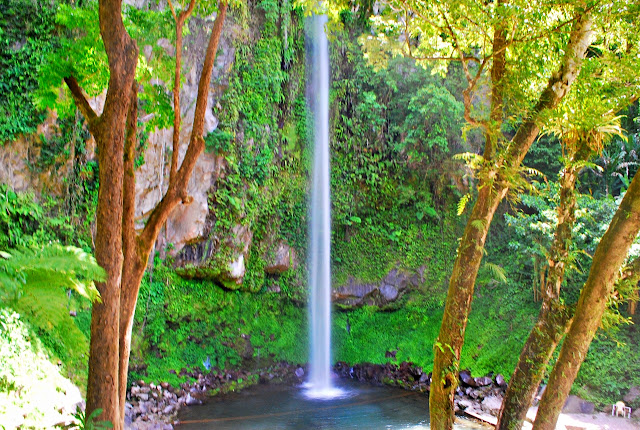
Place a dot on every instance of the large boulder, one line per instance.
(576, 405)
(492, 404)
(467, 379)
(220, 261)
(383, 293)
(632, 395)
(280, 259)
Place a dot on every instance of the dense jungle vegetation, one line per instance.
(402, 192)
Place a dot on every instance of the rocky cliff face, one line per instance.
(188, 221)
(193, 234)
(245, 226)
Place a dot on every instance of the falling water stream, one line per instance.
(319, 383)
(322, 405)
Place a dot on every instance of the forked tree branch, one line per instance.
(180, 20)
(81, 101)
(177, 190)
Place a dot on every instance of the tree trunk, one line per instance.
(449, 343)
(554, 318)
(551, 326)
(609, 256)
(138, 248)
(119, 250)
(109, 131)
(492, 187)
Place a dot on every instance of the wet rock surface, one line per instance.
(155, 406)
(383, 293)
(482, 395)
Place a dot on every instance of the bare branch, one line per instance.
(177, 114)
(177, 190)
(471, 80)
(417, 58)
(173, 11)
(81, 101)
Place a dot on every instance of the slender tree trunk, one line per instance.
(553, 320)
(449, 343)
(138, 248)
(552, 324)
(492, 189)
(607, 260)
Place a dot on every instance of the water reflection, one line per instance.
(285, 407)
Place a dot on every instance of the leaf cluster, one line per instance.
(27, 36)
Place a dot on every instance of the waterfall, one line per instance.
(319, 384)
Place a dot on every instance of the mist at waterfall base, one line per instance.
(319, 385)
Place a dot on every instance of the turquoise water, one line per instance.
(285, 407)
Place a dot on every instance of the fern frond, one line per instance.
(47, 309)
(582, 164)
(478, 224)
(463, 203)
(497, 272)
(532, 172)
(474, 161)
(54, 266)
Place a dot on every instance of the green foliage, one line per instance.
(367, 252)
(261, 136)
(611, 368)
(79, 53)
(534, 226)
(38, 283)
(25, 222)
(182, 322)
(434, 120)
(27, 36)
(89, 422)
(51, 266)
(391, 129)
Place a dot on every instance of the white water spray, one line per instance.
(319, 384)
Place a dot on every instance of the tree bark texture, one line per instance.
(492, 188)
(109, 129)
(554, 317)
(607, 260)
(140, 248)
(119, 250)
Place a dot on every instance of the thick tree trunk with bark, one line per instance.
(109, 132)
(119, 250)
(493, 186)
(553, 320)
(607, 260)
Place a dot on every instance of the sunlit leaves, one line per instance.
(51, 266)
(81, 54)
